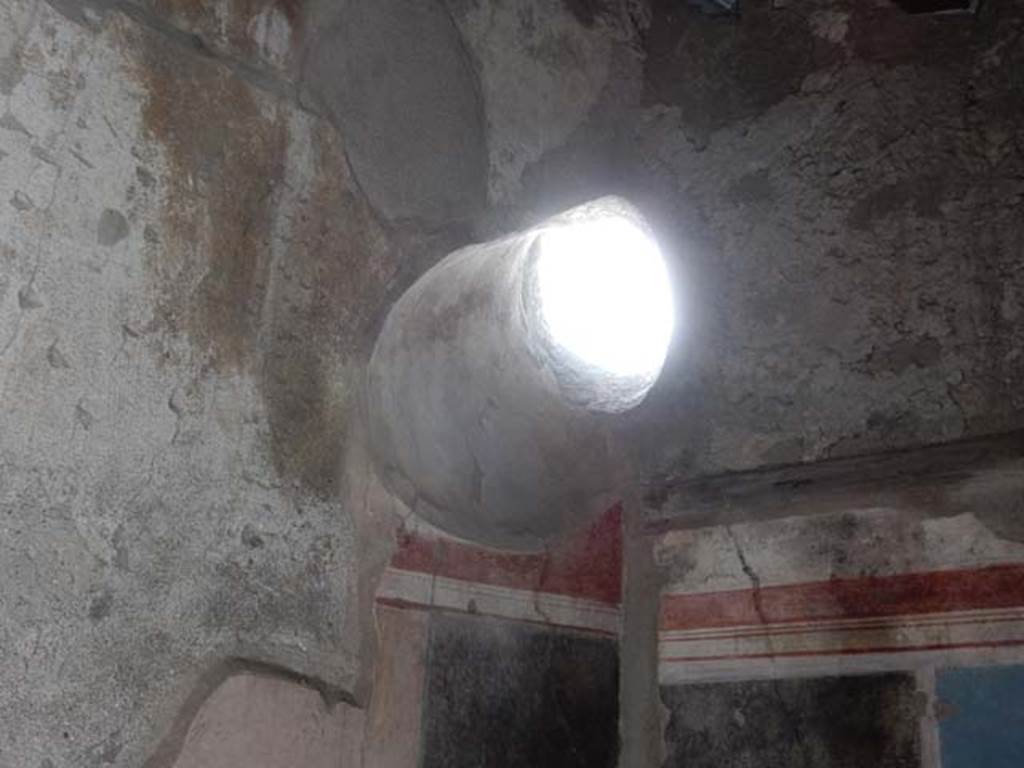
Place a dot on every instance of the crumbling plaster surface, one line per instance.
(189, 278)
(394, 76)
(868, 236)
(840, 186)
(866, 543)
(542, 72)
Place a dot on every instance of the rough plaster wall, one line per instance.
(188, 280)
(394, 76)
(550, 71)
(840, 186)
(867, 543)
(839, 183)
(865, 227)
(543, 72)
(264, 35)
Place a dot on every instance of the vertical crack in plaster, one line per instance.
(796, 733)
(545, 564)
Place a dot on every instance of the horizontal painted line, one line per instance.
(845, 651)
(589, 566)
(414, 589)
(683, 673)
(405, 605)
(913, 634)
(992, 587)
(765, 631)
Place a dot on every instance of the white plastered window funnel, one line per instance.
(494, 382)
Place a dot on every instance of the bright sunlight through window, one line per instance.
(605, 295)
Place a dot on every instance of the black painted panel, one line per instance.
(834, 722)
(503, 694)
(934, 6)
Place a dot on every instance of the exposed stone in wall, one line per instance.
(189, 278)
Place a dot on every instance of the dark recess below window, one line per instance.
(869, 721)
(935, 6)
(503, 694)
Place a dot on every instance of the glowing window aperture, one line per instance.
(605, 295)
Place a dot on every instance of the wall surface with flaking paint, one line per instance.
(838, 187)
(191, 277)
(852, 628)
(191, 280)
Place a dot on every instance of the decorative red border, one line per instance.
(997, 586)
(847, 651)
(588, 566)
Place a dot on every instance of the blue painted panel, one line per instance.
(983, 717)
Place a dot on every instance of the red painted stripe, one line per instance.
(588, 566)
(998, 586)
(851, 651)
(839, 625)
(842, 629)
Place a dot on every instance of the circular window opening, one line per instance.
(601, 298)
